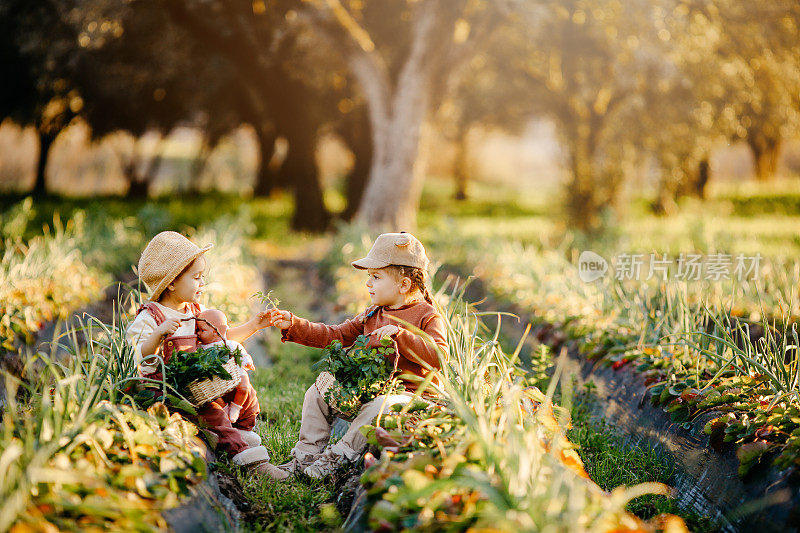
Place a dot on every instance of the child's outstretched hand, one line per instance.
(386, 331)
(262, 319)
(280, 319)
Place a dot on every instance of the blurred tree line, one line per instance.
(628, 84)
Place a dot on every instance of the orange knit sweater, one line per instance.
(411, 348)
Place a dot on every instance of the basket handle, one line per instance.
(221, 336)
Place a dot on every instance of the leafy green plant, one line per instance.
(184, 368)
(267, 300)
(361, 372)
(72, 452)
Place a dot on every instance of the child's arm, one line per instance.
(316, 334)
(145, 336)
(153, 341)
(415, 347)
(243, 332)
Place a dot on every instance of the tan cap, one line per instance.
(394, 249)
(164, 258)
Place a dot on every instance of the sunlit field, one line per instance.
(603, 314)
(681, 335)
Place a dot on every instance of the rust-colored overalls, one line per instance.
(210, 414)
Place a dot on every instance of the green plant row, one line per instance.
(42, 280)
(48, 276)
(77, 450)
(491, 454)
(725, 348)
(77, 454)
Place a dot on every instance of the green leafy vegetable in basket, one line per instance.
(185, 367)
(361, 372)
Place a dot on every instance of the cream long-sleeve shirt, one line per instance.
(143, 325)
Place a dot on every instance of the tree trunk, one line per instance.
(703, 175)
(265, 177)
(461, 167)
(356, 134)
(45, 143)
(357, 180)
(139, 184)
(765, 155)
(582, 205)
(300, 169)
(391, 198)
(138, 189)
(197, 168)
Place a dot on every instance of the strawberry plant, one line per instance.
(491, 454)
(362, 372)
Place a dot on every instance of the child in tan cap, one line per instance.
(396, 267)
(212, 326)
(172, 266)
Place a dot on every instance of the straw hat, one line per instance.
(394, 249)
(164, 258)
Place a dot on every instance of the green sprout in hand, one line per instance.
(267, 300)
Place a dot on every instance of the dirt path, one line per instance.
(300, 287)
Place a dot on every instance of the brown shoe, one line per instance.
(257, 460)
(298, 463)
(268, 469)
(326, 464)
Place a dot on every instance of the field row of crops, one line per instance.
(47, 276)
(493, 454)
(701, 347)
(79, 452)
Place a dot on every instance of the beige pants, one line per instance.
(315, 426)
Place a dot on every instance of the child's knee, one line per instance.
(312, 393)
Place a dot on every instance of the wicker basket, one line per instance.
(324, 382)
(205, 390)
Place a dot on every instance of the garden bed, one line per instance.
(707, 481)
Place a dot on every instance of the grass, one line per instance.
(611, 461)
(609, 458)
(270, 216)
(294, 505)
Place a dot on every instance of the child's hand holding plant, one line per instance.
(280, 319)
(264, 318)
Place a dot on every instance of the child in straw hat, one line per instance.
(401, 307)
(171, 266)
